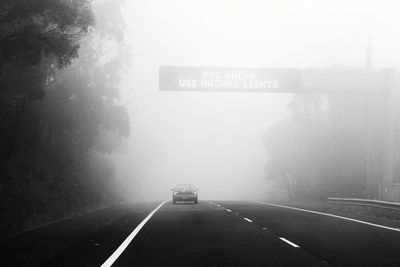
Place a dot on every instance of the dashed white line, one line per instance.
(247, 219)
(330, 215)
(228, 210)
(128, 240)
(290, 243)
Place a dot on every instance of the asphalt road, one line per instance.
(231, 233)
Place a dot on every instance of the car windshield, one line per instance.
(185, 187)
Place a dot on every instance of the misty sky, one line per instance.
(214, 139)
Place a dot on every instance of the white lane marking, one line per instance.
(228, 210)
(290, 243)
(218, 205)
(330, 215)
(128, 240)
(247, 219)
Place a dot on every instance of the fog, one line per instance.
(272, 109)
(214, 139)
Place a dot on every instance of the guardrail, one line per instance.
(393, 206)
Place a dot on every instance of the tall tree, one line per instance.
(36, 38)
(34, 30)
(59, 103)
(321, 149)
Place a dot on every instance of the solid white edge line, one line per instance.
(128, 240)
(247, 219)
(290, 243)
(330, 215)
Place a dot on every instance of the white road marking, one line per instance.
(330, 215)
(290, 243)
(128, 240)
(264, 228)
(247, 219)
(228, 210)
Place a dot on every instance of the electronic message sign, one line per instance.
(283, 80)
(228, 79)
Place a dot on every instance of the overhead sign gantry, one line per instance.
(278, 80)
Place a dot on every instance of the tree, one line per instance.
(36, 37)
(34, 30)
(59, 106)
(320, 150)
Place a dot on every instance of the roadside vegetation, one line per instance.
(60, 66)
(321, 150)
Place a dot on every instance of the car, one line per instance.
(185, 192)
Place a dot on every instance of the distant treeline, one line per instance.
(60, 64)
(322, 149)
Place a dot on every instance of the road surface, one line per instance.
(233, 233)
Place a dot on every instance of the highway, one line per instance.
(233, 233)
